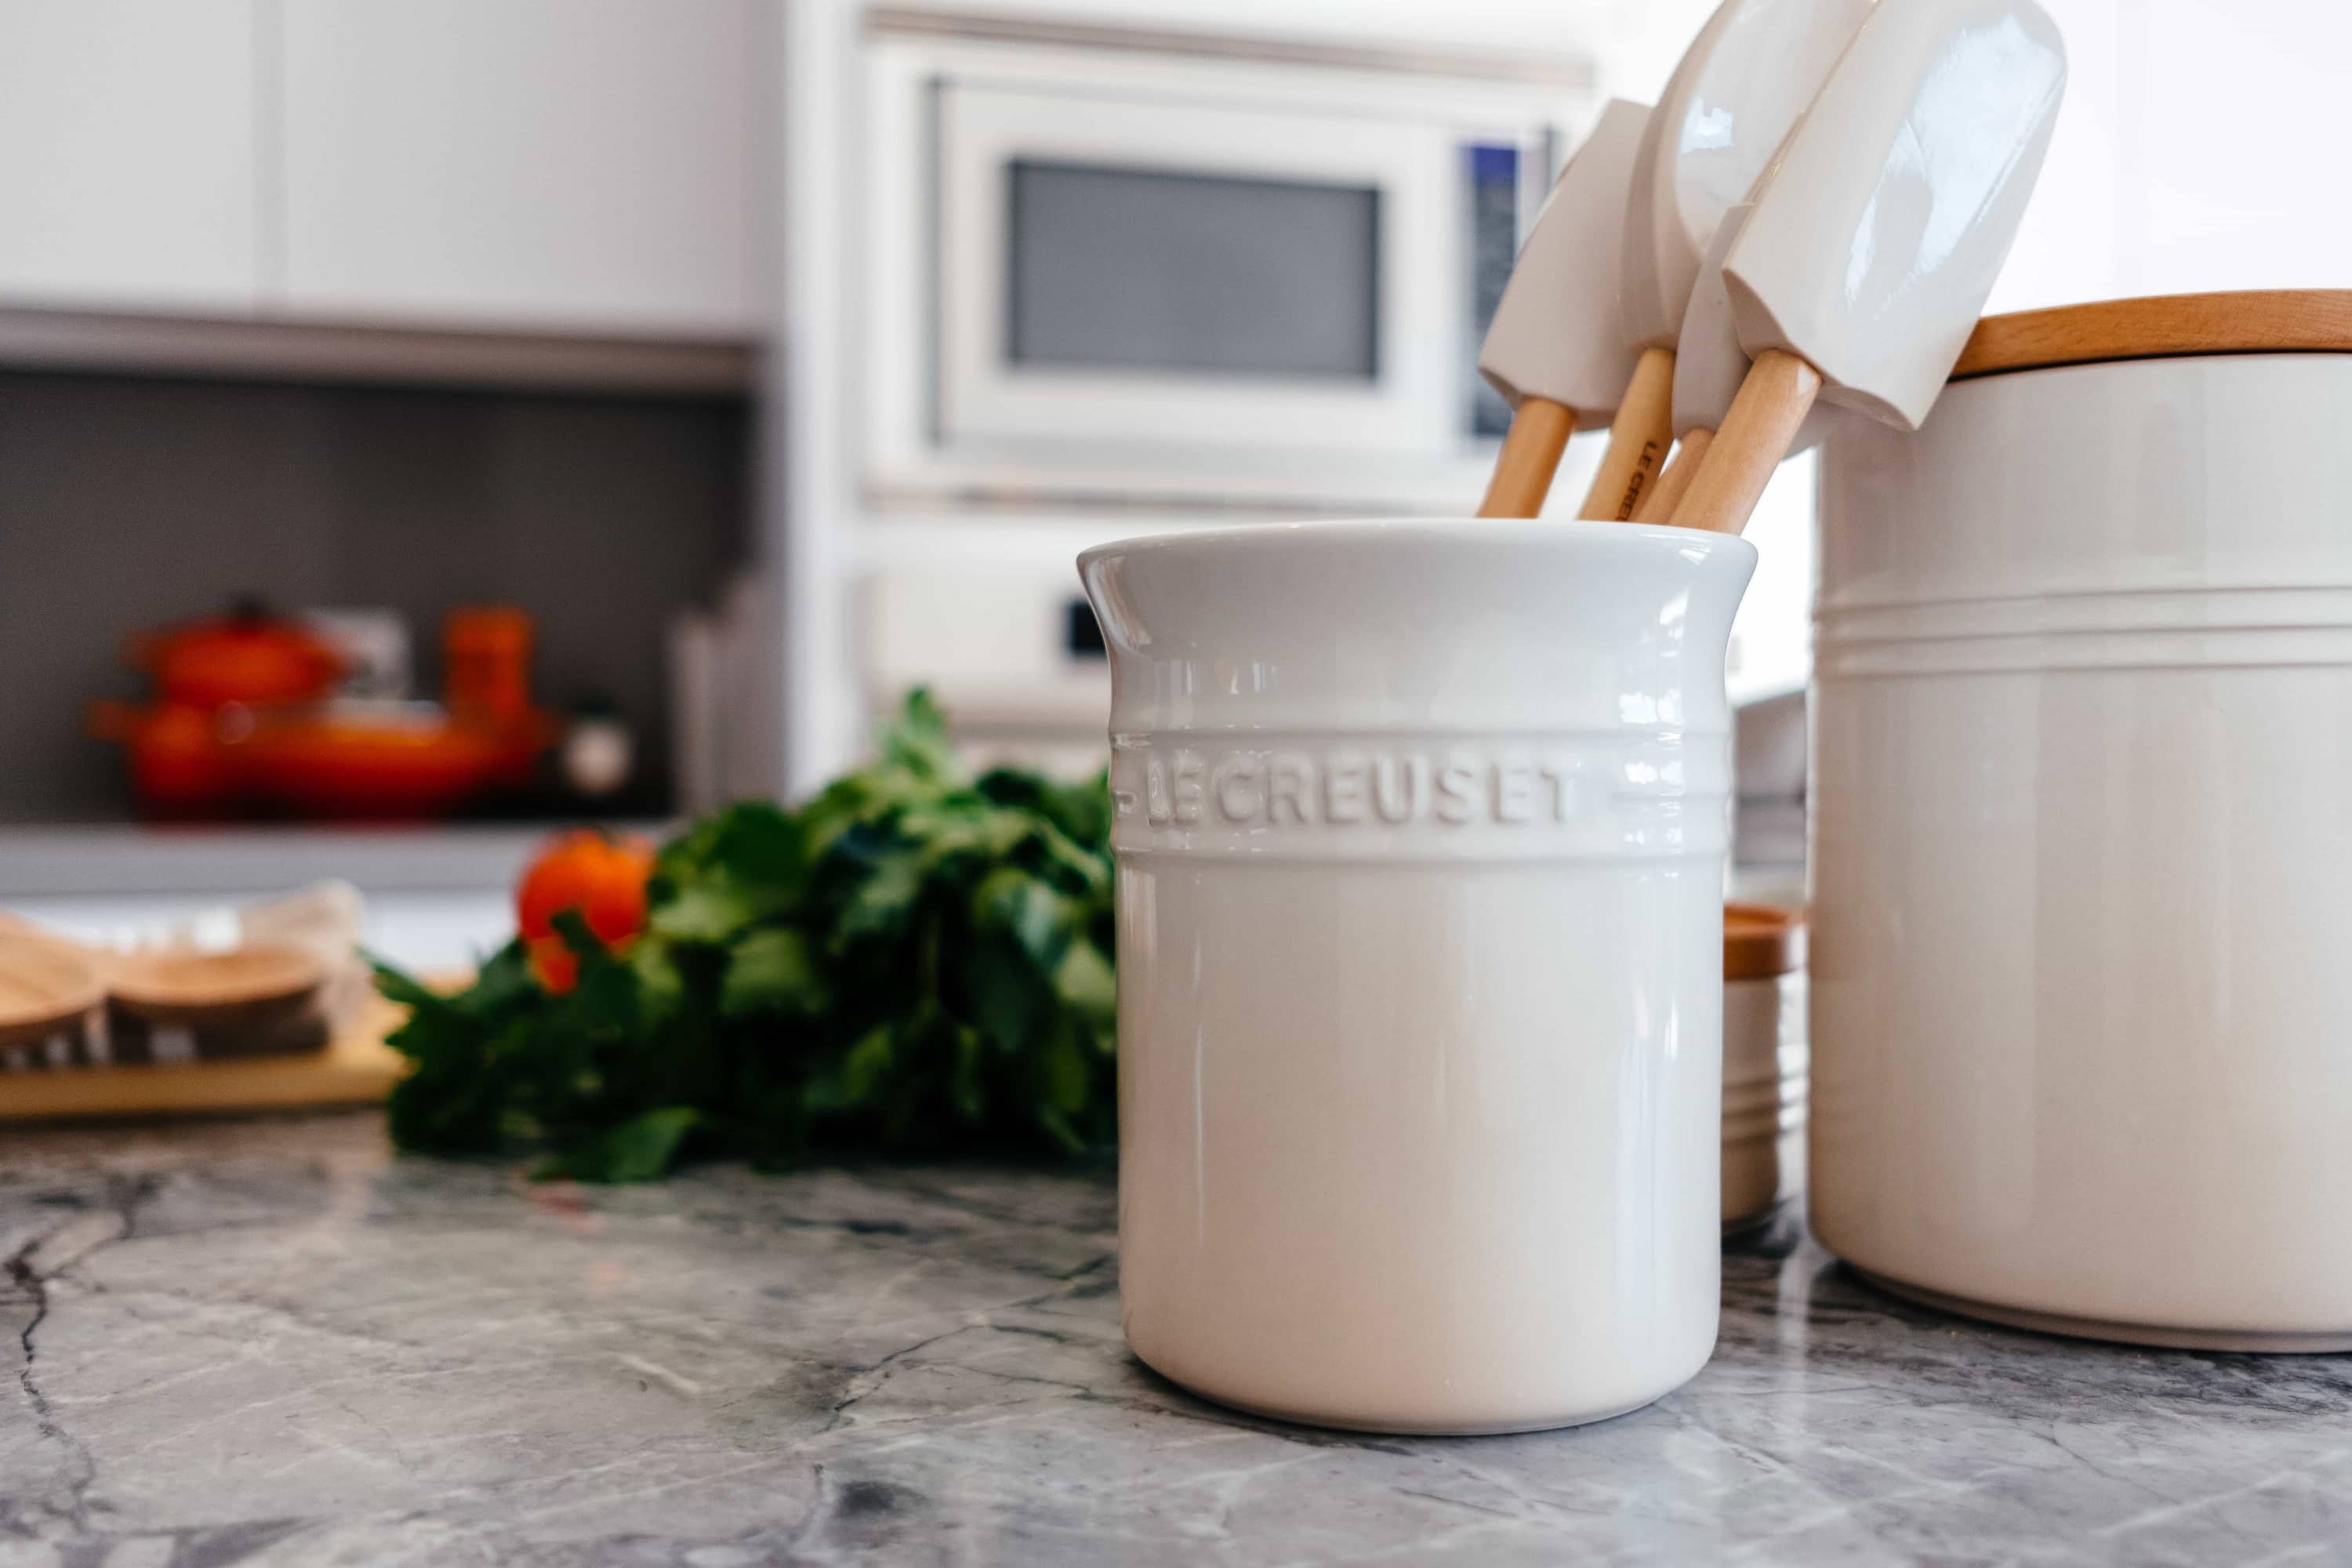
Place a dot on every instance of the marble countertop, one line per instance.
(271, 1342)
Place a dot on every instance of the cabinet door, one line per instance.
(127, 154)
(551, 165)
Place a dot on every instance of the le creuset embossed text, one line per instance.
(1420, 833)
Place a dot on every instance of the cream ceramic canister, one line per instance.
(1419, 835)
(2082, 798)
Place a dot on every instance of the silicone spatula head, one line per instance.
(1883, 223)
(1556, 333)
(1744, 81)
(1710, 364)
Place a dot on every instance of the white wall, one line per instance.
(2198, 149)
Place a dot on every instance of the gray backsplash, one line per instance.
(130, 502)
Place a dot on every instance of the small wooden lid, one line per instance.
(180, 979)
(43, 980)
(1760, 943)
(2162, 326)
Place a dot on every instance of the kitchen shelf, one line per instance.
(124, 860)
(314, 351)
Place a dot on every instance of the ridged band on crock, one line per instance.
(2136, 627)
(1628, 793)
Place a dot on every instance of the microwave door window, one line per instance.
(1494, 173)
(1150, 271)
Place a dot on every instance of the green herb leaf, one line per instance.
(771, 970)
(638, 1150)
(400, 988)
(882, 903)
(1011, 900)
(713, 912)
(918, 742)
(1085, 983)
(661, 985)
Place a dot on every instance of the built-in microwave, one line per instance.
(1188, 278)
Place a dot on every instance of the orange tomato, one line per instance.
(601, 876)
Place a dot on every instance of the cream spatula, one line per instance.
(1880, 229)
(1554, 350)
(1709, 365)
(1744, 79)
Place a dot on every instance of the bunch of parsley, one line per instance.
(914, 961)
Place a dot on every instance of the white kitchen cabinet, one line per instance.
(537, 165)
(129, 167)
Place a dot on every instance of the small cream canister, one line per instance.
(1763, 1061)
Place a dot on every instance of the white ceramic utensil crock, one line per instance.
(2082, 1021)
(1421, 831)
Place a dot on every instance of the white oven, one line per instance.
(1096, 275)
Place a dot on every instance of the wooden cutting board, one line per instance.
(356, 1068)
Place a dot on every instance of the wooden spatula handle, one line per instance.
(1638, 439)
(1772, 402)
(1539, 433)
(1658, 502)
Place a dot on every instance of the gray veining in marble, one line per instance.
(272, 1343)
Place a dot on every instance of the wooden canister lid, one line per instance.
(2161, 326)
(43, 980)
(173, 978)
(1760, 943)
